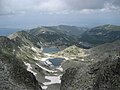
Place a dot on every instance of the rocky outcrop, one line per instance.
(13, 76)
(13, 73)
(24, 38)
(103, 75)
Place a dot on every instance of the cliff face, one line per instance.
(13, 73)
(103, 75)
(13, 76)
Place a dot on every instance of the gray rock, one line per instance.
(103, 75)
(13, 76)
(13, 73)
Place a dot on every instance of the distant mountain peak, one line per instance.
(108, 27)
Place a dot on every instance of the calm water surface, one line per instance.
(56, 61)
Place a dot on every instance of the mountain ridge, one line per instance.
(27, 47)
(101, 34)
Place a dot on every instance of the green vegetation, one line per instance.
(101, 34)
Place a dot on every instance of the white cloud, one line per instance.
(85, 4)
(52, 5)
(49, 6)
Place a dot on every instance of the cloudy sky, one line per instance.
(32, 13)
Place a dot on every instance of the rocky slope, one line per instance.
(76, 56)
(73, 51)
(103, 75)
(13, 73)
(93, 54)
(26, 49)
(24, 38)
(98, 70)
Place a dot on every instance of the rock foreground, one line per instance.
(103, 75)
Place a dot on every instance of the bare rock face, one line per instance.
(107, 74)
(13, 73)
(103, 75)
(13, 76)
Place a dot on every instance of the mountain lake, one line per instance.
(56, 61)
(50, 50)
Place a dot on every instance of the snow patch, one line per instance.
(13, 50)
(48, 62)
(41, 48)
(41, 42)
(53, 80)
(47, 54)
(34, 49)
(82, 60)
(56, 74)
(44, 59)
(20, 48)
(43, 32)
(45, 68)
(29, 68)
(36, 58)
(26, 46)
(44, 87)
(66, 58)
(60, 68)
